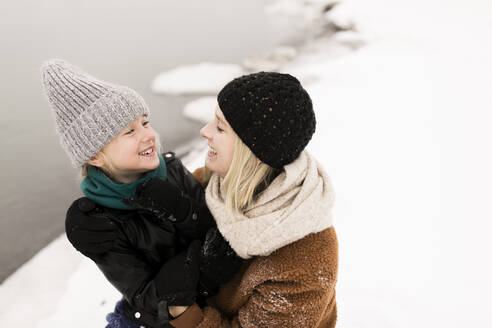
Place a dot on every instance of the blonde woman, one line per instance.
(272, 203)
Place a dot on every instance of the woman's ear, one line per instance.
(96, 161)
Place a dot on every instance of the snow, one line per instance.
(271, 60)
(57, 288)
(378, 145)
(308, 16)
(203, 78)
(403, 112)
(200, 109)
(86, 302)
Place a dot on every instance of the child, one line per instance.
(144, 215)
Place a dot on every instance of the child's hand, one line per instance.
(90, 232)
(161, 198)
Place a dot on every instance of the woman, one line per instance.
(271, 201)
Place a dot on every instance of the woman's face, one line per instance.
(220, 138)
(132, 152)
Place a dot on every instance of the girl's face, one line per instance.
(220, 138)
(132, 152)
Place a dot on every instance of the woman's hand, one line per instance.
(176, 311)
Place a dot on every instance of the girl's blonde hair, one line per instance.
(108, 168)
(246, 178)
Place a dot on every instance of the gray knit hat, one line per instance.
(88, 112)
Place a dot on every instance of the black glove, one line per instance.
(218, 262)
(90, 231)
(161, 198)
(177, 280)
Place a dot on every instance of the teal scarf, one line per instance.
(107, 192)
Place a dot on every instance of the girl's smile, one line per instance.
(131, 153)
(150, 152)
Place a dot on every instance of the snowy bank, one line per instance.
(56, 288)
(201, 109)
(204, 78)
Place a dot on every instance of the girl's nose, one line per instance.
(149, 134)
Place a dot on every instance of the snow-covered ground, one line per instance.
(195, 79)
(404, 132)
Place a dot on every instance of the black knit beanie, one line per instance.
(271, 113)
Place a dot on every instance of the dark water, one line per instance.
(123, 41)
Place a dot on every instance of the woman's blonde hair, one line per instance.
(108, 168)
(246, 178)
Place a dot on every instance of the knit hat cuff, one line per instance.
(102, 122)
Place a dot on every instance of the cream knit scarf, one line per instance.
(298, 202)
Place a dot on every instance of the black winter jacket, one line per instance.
(144, 243)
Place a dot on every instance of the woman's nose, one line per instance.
(204, 132)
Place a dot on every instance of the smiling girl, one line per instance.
(149, 250)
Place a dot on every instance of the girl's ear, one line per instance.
(96, 161)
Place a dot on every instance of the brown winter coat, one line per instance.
(294, 286)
